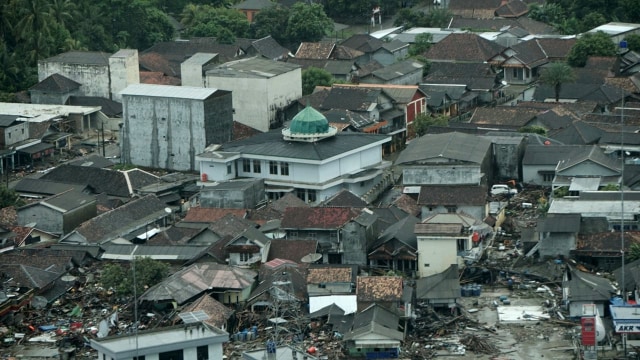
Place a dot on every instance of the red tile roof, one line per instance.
(379, 288)
(206, 215)
(292, 250)
(317, 217)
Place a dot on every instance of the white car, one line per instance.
(500, 189)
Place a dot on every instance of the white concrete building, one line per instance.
(262, 89)
(186, 342)
(309, 159)
(167, 126)
(100, 74)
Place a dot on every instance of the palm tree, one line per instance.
(555, 75)
(33, 27)
(63, 11)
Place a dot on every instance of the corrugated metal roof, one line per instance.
(180, 92)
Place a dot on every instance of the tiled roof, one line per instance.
(454, 146)
(345, 198)
(93, 160)
(111, 182)
(199, 278)
(242, 131)
(218, 313)
(293, 250)
(447, 195)
(330, 274)
(345, 53)
(474, 8)
(29, 276)
(463, 47)
(457, 70)
(503, 115)
(269, 48)
(564, 223)
(556, 48)
(209, 215)
(43, 187)
(444, 285)
(398, 69)
(589, 287)
(350, 98)
(315, 50)
(407, 204)
(379, 288)
(513, 8)
(56, 83)
(592, 154)
(167, 56)
(158, 77)
(578, 133)
(253, 4)
(231, 225)
(327, 218)
(495, 24)
(363, 42)
(81, 57)
(108, 107)
(547, 154)
(288, 200)
(110, 225)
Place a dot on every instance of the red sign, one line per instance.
(589, 331)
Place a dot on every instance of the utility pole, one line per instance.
(103, 151)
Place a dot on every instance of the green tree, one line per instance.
(33, 27)
(307, 23)
(548, 13)
(422, 122)
(590, 44)
(271, 21)
(421, 44)
(62, 11)
(533, 130)
(633, 42)
(633, 253)
(555, 75)
(313, 77)
(8, 197)
(205, 20)
(592, 20)
(411, 18)
(438, 17)
(148, 272)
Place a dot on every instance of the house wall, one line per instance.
(218, 119)
(42, 97)
(124, 71)
(554, 244)
(354, 244)
(438, 252)
(507, 161)
(243, 198)
(588, 168)
(55, 221)
(94, 78)
(531, 174)
(455, 174)
(575, 307)
(14, 134)
(167, 133)
(411, 78)
(477, 211)
(216, 170)
(236, 297)
(518, 75)
(257, 101)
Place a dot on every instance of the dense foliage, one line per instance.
(148, 272)
(32, 30)
(313, 77)
(555, 75)
(590, 44)
(573, 17)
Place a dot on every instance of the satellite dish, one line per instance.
(504, 82)
(167, 210)
(68, 278)
(311, 258)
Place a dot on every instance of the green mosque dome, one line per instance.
(309, 121)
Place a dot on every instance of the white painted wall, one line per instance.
(438, 252)
(94, 78)
(124, 71)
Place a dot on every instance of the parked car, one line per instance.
(500, 189)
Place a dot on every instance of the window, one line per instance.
(273, 168)
(22, 131)
(171, 355)
(202, 352)
(284, 168)
(461, 244)
(312, 195)
(245, 257)
(302, 194)
(138, 357)
(451, 209)
(256, 167)
(515, 73)
(229, 168)
(312, 235)
(547, 177)
(293, 235)
(246, 165)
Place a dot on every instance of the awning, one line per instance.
(584, 184)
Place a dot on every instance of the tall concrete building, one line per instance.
(167, 126)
